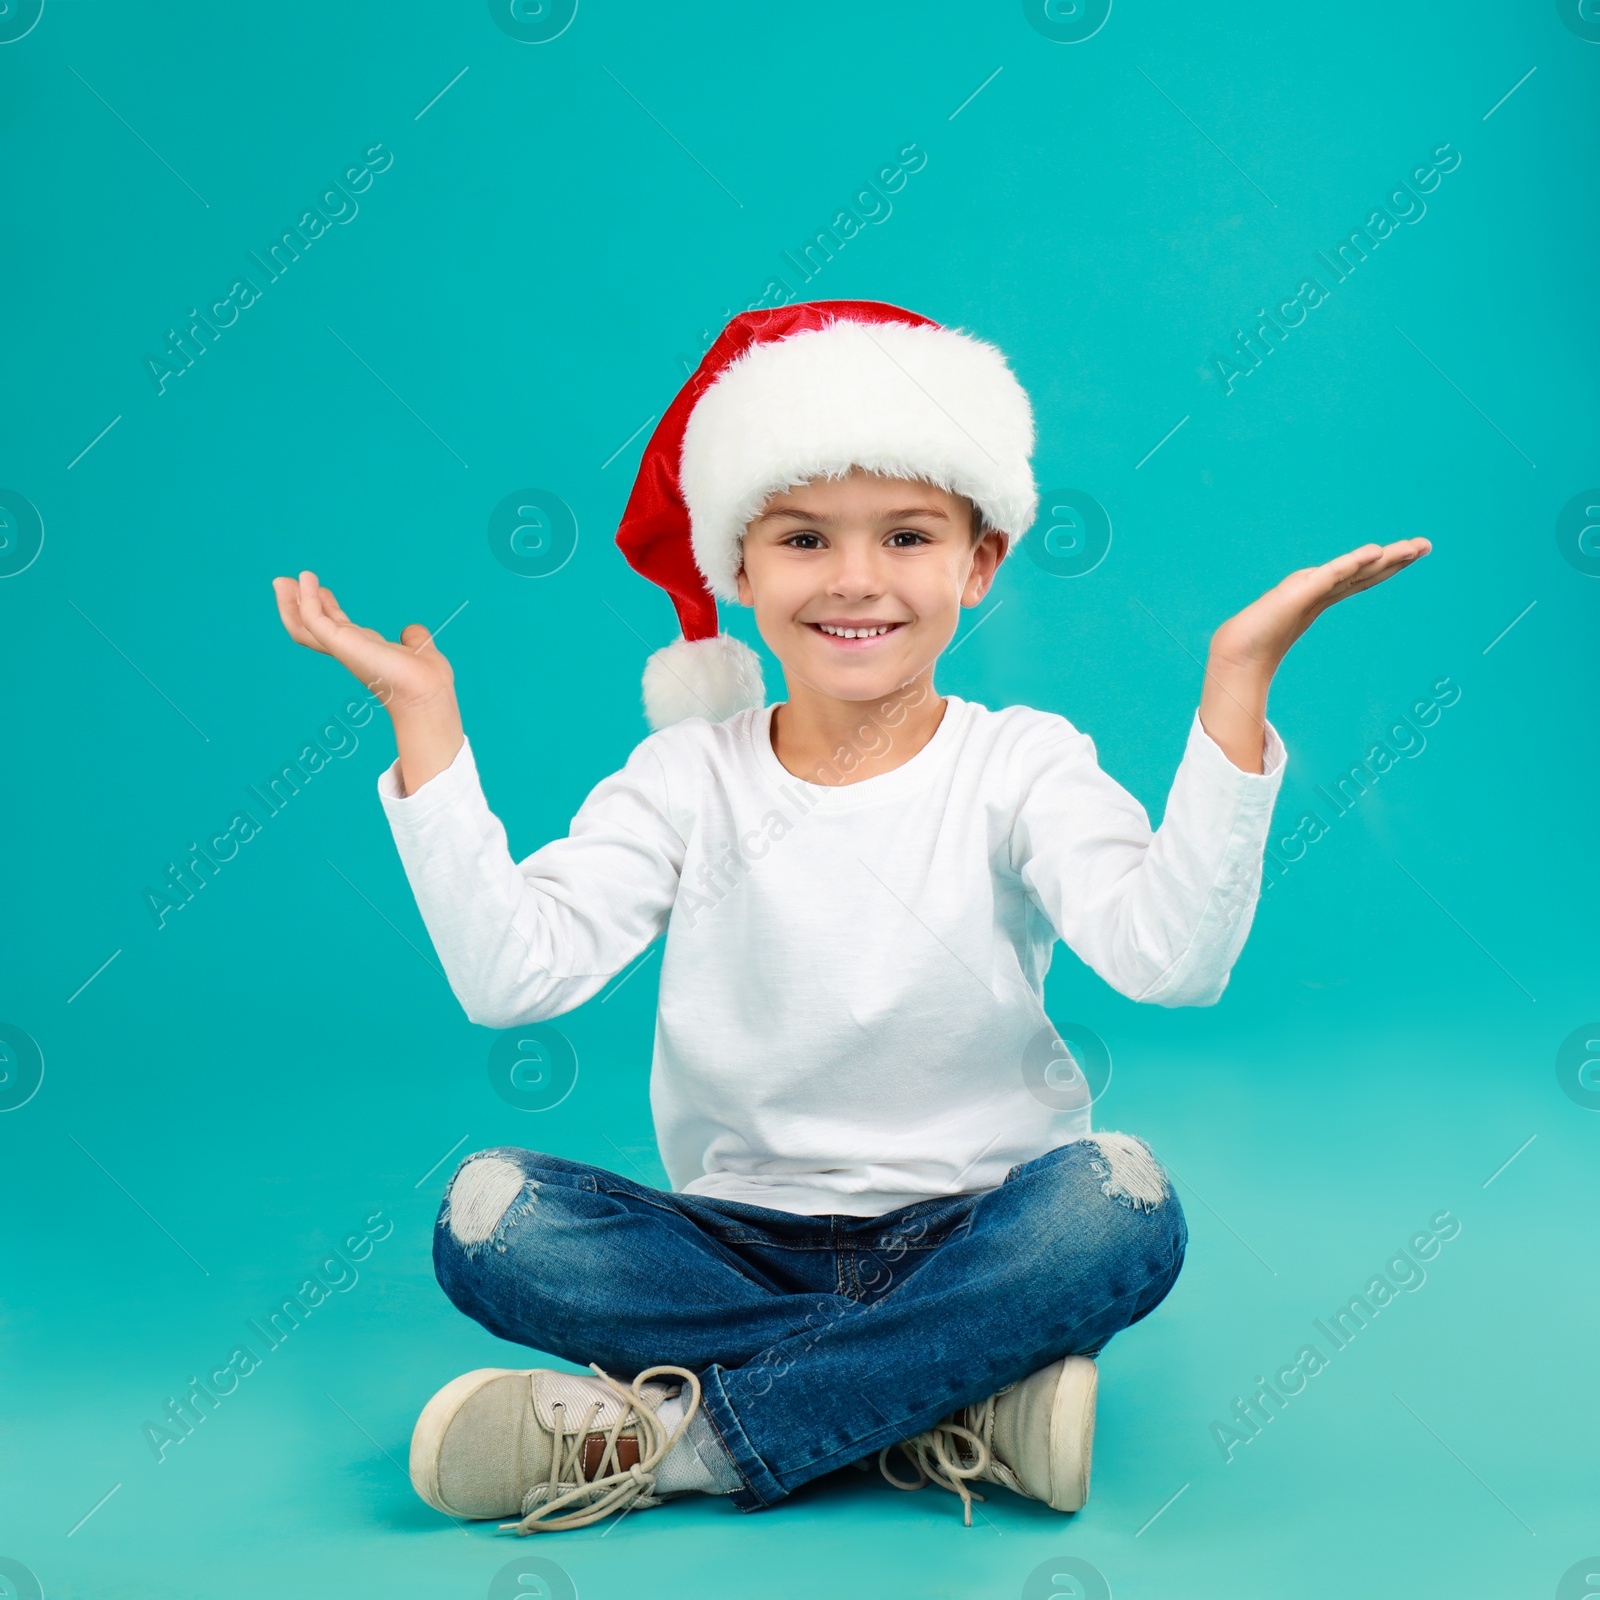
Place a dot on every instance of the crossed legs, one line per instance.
(804, 1367)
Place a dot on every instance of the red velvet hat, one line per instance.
(784, 396)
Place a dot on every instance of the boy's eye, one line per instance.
(899, 533)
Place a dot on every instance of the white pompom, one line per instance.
(711, 678)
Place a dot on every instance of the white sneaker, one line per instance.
(1034, 1437)
(557, 1449)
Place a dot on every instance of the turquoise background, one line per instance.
(240, 1089)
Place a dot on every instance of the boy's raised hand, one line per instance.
(411, 678)
(1261, 634)
(1248, 648)
(412, 671)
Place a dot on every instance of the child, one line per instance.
(888, 1227)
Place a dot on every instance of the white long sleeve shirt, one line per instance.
(850, 1013)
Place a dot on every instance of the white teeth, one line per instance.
(852, 633)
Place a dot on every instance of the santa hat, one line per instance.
(791, 394)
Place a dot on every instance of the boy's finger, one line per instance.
(314, 616)
(1391, 565)
(1360, 569)
(1365, 556)
(1340, 568)
(313, 597)
(288, 598)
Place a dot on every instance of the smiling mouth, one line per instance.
(860, 640)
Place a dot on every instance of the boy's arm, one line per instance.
(1233, 709)
(1162, 915)
(522, 942)
(426, 738)
(518, 943)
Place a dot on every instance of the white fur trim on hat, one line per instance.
(904, 400)
(711, 678)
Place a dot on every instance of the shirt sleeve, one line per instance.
(1160, 916)
(522, 942)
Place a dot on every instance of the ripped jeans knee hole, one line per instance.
(486, 1196)
(1129, 1172)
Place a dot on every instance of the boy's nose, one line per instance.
(856, 575)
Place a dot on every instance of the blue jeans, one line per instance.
(818, 1340)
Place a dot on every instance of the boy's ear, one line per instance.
(987, 555)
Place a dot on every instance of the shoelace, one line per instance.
(952, 1452)
(568, 1499)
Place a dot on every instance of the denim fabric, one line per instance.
(818, 1340)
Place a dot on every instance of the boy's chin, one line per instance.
(862, 685)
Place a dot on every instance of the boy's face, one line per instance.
(860, 552)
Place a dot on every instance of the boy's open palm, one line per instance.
(411, 672)
(1261, 634)
(410, 677)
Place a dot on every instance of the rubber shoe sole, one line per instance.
(427, 1438)
(1072, 1433)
